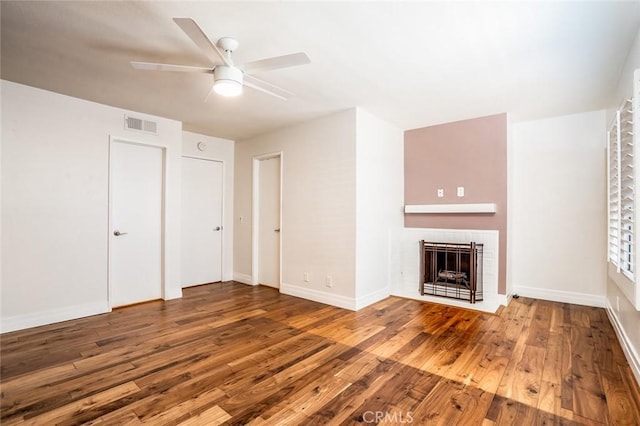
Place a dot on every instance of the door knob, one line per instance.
(217, 228)
(118, 233)
(276, 230)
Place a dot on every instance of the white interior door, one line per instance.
(269, 222)
(201, 221)
(135, 249)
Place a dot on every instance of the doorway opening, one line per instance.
(267, 219)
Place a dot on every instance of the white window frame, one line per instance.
(623, 242)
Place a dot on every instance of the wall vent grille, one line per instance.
(140, 125)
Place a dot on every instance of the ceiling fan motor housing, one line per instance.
(227, 80)
(225, 72)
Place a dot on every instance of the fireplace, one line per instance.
(451, 270)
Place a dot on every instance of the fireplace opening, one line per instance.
(451, 270)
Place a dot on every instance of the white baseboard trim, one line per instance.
(319, 296)
(243, 278)
(561, 296)
(625, 342)
(370, 299)
(175, 293)
(36, 319)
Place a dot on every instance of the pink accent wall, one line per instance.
(469, 153)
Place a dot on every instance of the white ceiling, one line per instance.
(411, 63)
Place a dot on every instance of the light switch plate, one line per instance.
(440, 193)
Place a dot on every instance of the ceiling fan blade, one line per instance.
(198, 36)
(277, 62)
(150, 66)
(263, 86)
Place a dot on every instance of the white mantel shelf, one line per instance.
(451, 208)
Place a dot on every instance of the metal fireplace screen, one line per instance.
(451, 270)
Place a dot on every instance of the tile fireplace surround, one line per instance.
(405, 264)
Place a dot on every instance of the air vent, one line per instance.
(140, 125)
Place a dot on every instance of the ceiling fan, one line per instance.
(228, 78)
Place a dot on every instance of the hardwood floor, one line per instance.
(235, 354)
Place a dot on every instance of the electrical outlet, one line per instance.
(306, 277)
(440, 193)
(329, 281)
(461, 191)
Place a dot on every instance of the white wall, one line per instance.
(220, 150)
(318, 206)
(558, 211)
(54, 180)
(379, 203)
(625, 83)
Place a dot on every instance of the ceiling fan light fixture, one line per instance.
(227, 80)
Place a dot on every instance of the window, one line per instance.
(621, 176)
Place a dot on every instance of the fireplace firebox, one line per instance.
(451, 270)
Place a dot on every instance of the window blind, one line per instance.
(614, 184)
(621, 178)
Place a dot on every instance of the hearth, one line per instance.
(451, 270)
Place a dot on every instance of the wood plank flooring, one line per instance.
(227, 353)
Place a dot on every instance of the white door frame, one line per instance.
(223, 218)
(112, 140)
(255, 227)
